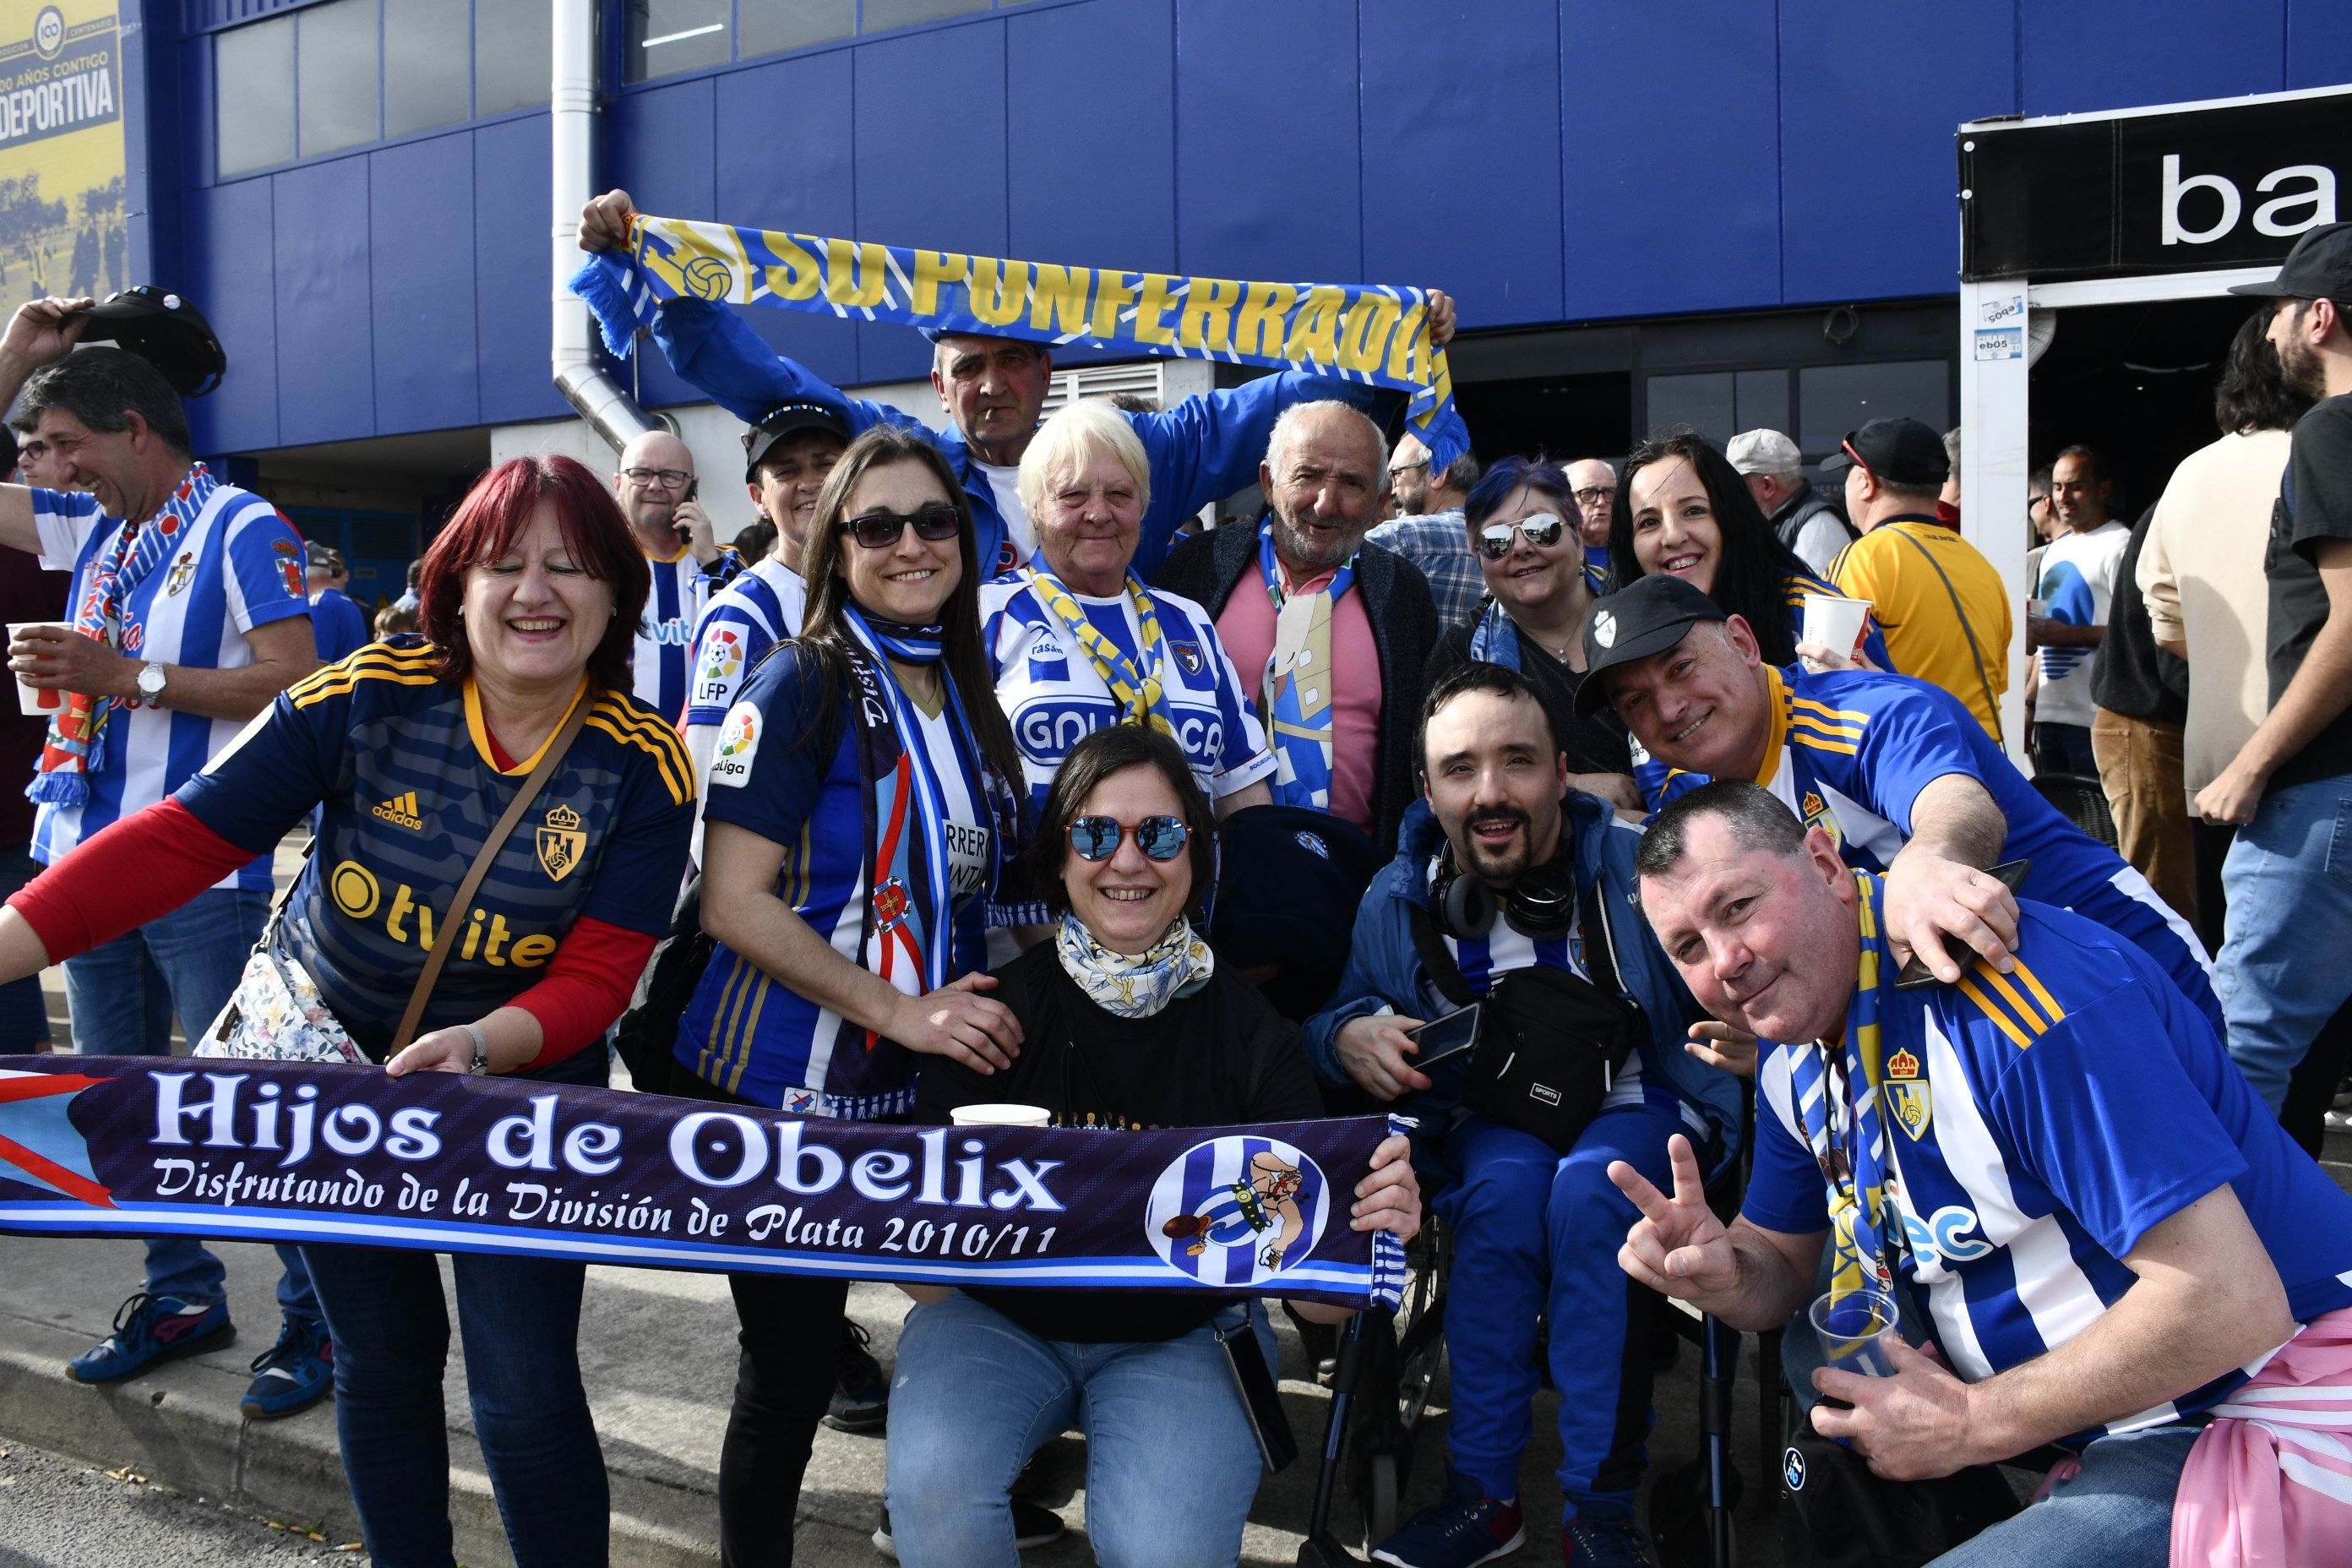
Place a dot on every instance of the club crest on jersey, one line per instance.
(1236, 1210)
(1792, 1470)
(183, 572)
(738, 742)
(1910, 1105)
(1189, 658)
(1902, 1065)
(561, 842)
(1817, 813)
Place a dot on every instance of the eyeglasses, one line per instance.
(1542, 531)
(1097, 838)
(657, 479)
(881, 530)
(1594, 495)
(1396, 469)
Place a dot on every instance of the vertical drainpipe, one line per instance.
(600, 400)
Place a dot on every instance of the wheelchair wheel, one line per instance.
(1379, 1484)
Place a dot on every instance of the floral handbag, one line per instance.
(277, 1014)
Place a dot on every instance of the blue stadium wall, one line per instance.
(1547, 161)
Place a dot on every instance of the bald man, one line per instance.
(1596, 497)
(654, 486)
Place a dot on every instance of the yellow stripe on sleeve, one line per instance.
(2018, 1036)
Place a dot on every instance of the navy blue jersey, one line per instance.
(401, 764)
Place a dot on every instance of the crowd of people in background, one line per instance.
(1559, 739)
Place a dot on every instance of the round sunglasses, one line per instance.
(1542, 531)
(880, 530)
(1097, 838)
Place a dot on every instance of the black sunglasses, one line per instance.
(1097, 838)
(880, 530)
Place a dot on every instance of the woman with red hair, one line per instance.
(411, 749)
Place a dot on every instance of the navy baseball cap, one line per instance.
(1650, 615)
(1900, 451)
(2318, 267)
(787, 419)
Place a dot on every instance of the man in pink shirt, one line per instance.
(1330, 632)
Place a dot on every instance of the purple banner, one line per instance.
(444, 1163)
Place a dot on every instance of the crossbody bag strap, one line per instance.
(1967, 631)
(463, 904)
(1444, 972)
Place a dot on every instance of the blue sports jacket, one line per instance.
(1384, 968)
(1204, 448)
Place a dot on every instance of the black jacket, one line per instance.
(1205, 569)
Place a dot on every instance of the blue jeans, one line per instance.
(1537, 1235)
(1170, 1465)
(122, 994)
(2064, 748)
(520, 1319)
(24, 1011)
(2286, 951)
(2117, 1514)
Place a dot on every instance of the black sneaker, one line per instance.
(861, 1395)
(1032, 1526)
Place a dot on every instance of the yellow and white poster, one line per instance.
(61, 213)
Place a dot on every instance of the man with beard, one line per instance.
(1509, 889)
(655, 487)
(2286, 951)
(1426, 527)
(1331, 633)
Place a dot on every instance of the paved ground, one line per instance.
(56, 1513)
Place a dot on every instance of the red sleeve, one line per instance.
(587, 986)
(145, 865)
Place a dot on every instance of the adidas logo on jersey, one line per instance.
(400, 810)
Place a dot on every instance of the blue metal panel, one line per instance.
(2087, 55)
(510, 267)
(783, 162)
(427, 376)
(231, 275)
(326, 377)
(929, 123)
(658, 148)
(1867, 190)
(1461, 156)
(1079, 193)
(2318, 44)
(1671, 156)
(1268, 159)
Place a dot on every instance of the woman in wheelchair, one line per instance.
(1128, 1022)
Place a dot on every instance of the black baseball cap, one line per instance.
(166, 330)
(1634, 623)
(1900, 451)
(787, 419)
(2318, 267)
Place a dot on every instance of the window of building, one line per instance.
(335, 77)
(1832, 399)
(665, 37)
(884, 15)
(513, 42)
(420, 90)
(253, 116)
(771, 29)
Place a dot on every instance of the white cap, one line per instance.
(1764, 452)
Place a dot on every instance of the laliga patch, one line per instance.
(739, 744)
(1604, 628)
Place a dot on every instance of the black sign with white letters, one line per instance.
(2194, 190)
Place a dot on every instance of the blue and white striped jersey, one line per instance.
(658, 661)
(1850, 753)
(2040, 1124)
(761, 607)
(239, 566)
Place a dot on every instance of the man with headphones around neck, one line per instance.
(1506, 881)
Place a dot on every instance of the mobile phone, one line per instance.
(1917, 976)
(1439, 1038)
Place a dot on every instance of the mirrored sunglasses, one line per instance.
(1542, 531)
(1097, 838)
(880, 530)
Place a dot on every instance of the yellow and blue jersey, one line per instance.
(401, 766)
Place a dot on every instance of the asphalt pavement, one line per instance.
(58, 1513)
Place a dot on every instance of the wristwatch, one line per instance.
(151, 684)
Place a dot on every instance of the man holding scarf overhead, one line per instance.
(190, 613)
(995, 388)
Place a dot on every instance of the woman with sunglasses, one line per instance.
(1522, 516)
(1130, 1022)
(857, 809)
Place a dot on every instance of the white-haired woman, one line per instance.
(1079, 644)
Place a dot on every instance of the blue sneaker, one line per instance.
(1602, 1542)
(293, 1375)
(151, 1329)
(1456, 1531)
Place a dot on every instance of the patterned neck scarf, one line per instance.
(899, 642)
(1837, 1091)
(74, 749)
(1136, 691)
(1495, 638)
(1296, 698)
(1135, 985)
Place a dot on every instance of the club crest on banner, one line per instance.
(1234, 1210)
(561, 842)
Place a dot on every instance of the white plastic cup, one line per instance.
(1836, 624)
(2038, 609)
(1853, 1327)
(1002, 1116)
(34, 701)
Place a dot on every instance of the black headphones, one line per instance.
(1541, 906)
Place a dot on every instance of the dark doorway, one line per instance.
(1564, 417)
(2135, 383)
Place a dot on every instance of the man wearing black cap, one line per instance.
(1938, 600)
(2286, 951)
(1889, 768)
